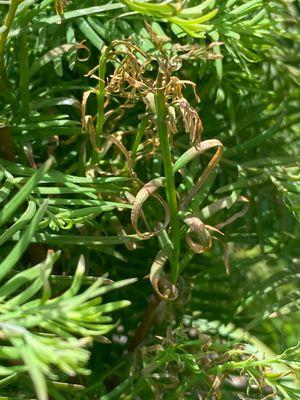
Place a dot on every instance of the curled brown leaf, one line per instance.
(118, 143)
(200, 230)
(82, 46)
(163, 287)
(145, 192)
(238, 214)
(87, 121)
(192, 153)
(191, 120)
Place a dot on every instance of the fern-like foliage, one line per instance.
(160, 140)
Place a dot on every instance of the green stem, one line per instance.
(170, 188)
(101, 93)
(13, 5)
(24, 76)
(5, 91)
(140, 132)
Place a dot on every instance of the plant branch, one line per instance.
(101, 93)
(170, 188)
(146, 323)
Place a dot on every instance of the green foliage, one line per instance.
(159, 140)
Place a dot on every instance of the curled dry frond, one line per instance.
(118, 143)
(238, 214)
(145, 192)
(202, 232)
(191, 120)
(192, 153)
(130, 82)
(162, 286)
(87, 120)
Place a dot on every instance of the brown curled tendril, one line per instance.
(85, 97)
(202, 232)
(165, 290)
(92, 132)
(87, 121)
(197, 225)
(145, 192)
(80, 46)
(225, 255)
(71, 139)
(238, 214)
(192, 153)
(205, 238)
(125, 152)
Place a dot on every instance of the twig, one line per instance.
(162, 129)
(146, 324)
